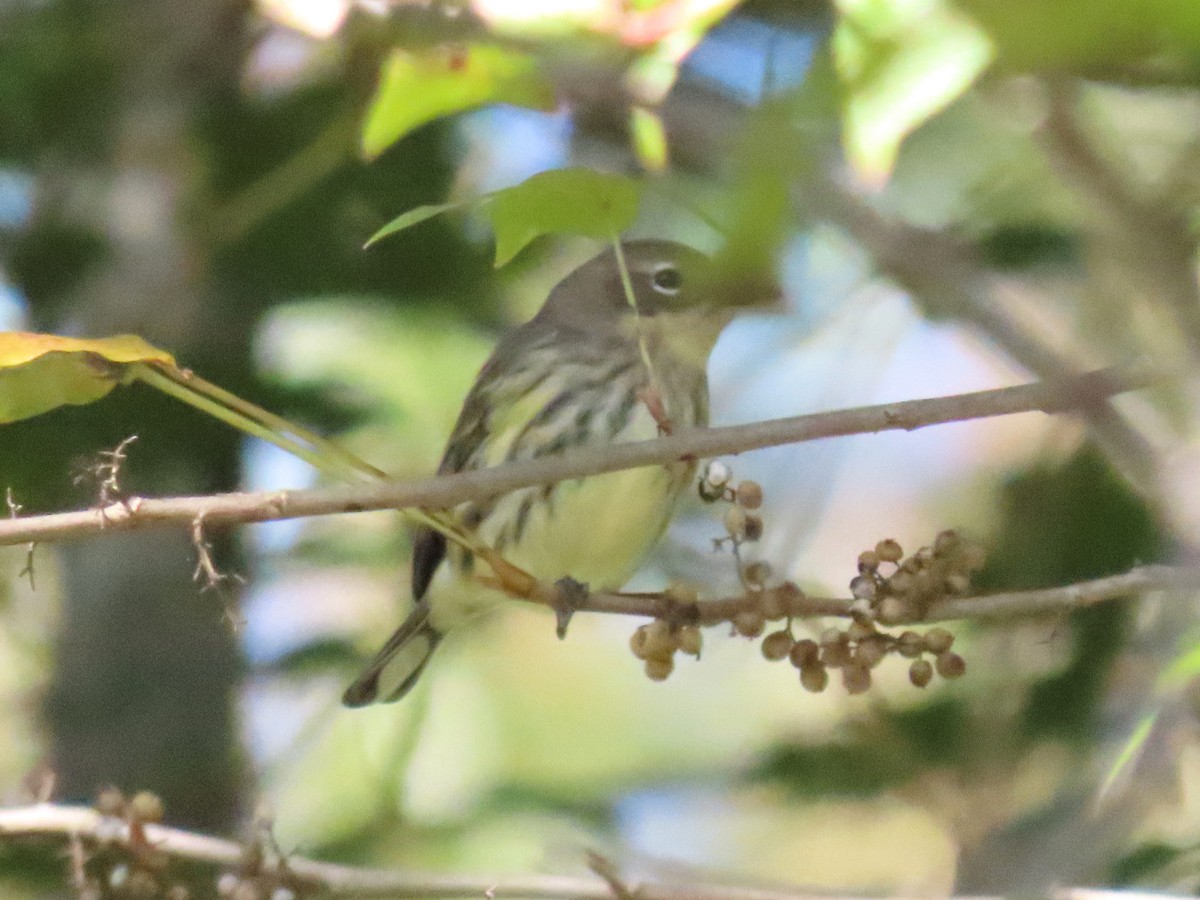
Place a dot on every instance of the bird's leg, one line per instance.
(568, 596)
(513, 580)
(565, 596)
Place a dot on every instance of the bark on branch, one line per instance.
(87, 830)
(1076, 393)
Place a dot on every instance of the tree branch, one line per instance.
(1076, 393)
(86, 826)
(1008, 605)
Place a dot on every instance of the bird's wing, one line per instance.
(465, 449)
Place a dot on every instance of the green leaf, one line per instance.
(901, 61)
(416, 88)
(411, 218)
(562, 201)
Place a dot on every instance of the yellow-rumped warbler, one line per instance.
(587, 369)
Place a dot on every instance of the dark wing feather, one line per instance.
(429, 546)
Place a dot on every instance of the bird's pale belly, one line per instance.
(596, 530)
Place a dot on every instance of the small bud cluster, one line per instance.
(885, 599)
(888, 590)
(126, 863)
(656, 643)
(742, 522)
(858, 649)
(915, 582)
(743, 525)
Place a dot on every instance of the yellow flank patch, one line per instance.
(597, 529)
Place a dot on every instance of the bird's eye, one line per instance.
(667, 280)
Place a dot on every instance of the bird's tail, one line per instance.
(398, 664)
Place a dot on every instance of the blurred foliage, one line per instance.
(1072, 522)
(414, 89)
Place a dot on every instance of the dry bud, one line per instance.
(659, 669)
(856, 679)
(814, 678)
(863, 587)
(892, 611)
(660, 641)
(717, 474)
(774, 602)
(870, 652)
(749, 495)
(889, 551)
(754, 527)
(690, 640)
(925, 582)
(834, 656)
(146, 807)
(714, 481)
(735, 522)
(749, 622)
(957, 583)
(938, 640)
(920, 673)
(757, 572)
(637, 641)
(910, 644)
(946, 542)
(110, 802)
(804, 653)
(681, 592)
(777, 645)
(901, 583)
(859, 629)
(951, 665)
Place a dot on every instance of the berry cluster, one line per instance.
(742, 522)
(858, 649)
(656, 643)
(889, 589)
(933, 573)
(127, 864)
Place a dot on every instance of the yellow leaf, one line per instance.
(39, 372)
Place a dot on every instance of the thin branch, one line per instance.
(82, 828)
(1077, 393)
(1009, 605)
(945, 275)
(344, 881)
(1155, 232)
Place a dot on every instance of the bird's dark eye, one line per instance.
(667, 280)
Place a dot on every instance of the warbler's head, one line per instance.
(673, 298)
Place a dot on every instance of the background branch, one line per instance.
(1080, 393)
(86, 825)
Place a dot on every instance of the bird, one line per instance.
(589, 368)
